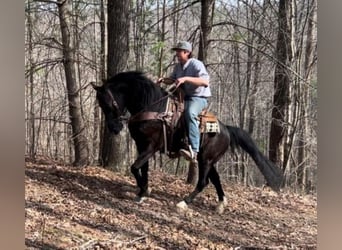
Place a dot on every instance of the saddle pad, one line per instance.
(211, 127)
(209, 123)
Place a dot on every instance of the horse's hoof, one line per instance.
(148, 191)
(221, 205)
(139, 199)
(220, 208)
(181, 206)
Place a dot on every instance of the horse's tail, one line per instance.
(273, 174)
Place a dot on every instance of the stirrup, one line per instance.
(188, 154)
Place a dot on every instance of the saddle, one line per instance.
(172, 117)
(208, 122)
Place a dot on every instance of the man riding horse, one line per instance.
(192, 77)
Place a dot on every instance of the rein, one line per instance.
(162, 116)
(148, 115)
(116, 105)
(153, 115)
(170, 92)
(144, 109)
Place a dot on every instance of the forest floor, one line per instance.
(93, 208)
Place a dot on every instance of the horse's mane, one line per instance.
(140, 89)
(129, 76)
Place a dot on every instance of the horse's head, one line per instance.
(112, 106)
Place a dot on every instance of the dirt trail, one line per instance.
(93, 208)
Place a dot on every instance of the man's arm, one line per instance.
(197, 81)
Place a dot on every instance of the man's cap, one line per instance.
(183, 45)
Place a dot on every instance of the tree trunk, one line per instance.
(239, 168)
(281, 84)
(77, 124)
(100, 74)
(192, 174)
(161, 39)
(30, 104)
(114, 146)
(175, 21)
(138, 22)
(303, 133)
(256, 72)
(207, 9)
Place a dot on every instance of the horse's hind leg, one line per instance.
(215, 179)
(144, 191)
(202, 182)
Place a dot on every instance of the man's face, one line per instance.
(182, 55)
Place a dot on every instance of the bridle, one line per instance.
(121, 116)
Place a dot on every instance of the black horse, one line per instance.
(134, 92)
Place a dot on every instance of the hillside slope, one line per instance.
(93, 208)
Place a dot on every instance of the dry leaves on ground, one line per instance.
(93, 208)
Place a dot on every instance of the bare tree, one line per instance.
(99, 123)
(207, 11)
(30, 98)
(302, 174)
(207, 14)
(77, 124)
(281, 84)
(113, 147)
(240, 44)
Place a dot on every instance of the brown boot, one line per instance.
(194, 158)
(188, 154)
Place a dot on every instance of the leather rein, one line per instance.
(142, 114)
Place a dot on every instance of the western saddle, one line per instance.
(172, 117)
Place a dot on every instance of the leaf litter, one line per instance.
(92, 208)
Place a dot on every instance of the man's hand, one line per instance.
(166, 80)
(197, 81)
(180, 81)
(160, 80)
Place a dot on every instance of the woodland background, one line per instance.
(261, 57)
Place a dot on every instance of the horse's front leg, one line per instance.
(141, 165)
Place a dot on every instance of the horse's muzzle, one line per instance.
(115, 127)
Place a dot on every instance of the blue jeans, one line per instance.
(192, 108)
